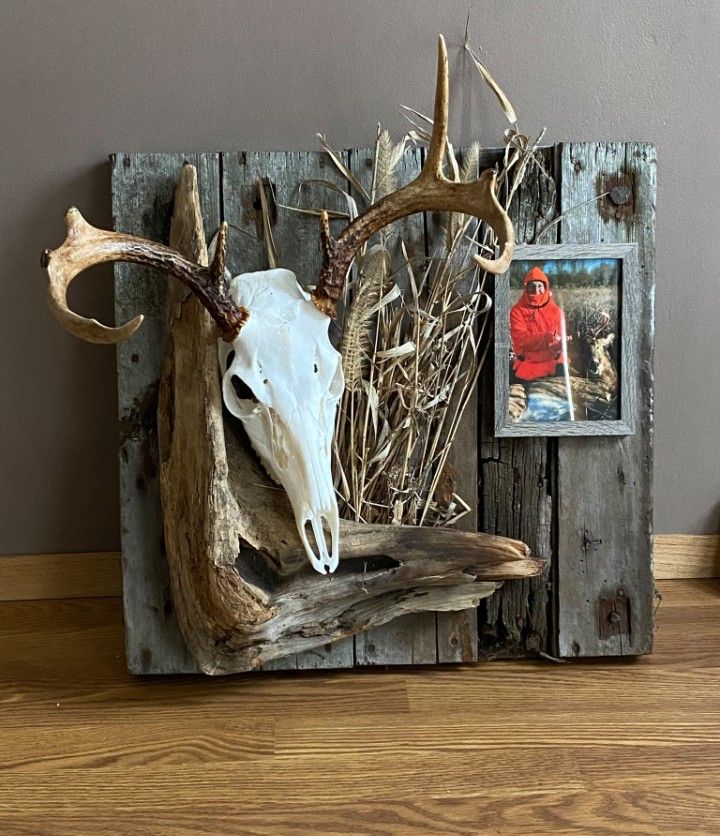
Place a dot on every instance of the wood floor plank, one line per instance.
(689, 593)
(573, 811)
(280, 780)
(423, 733)
(154, 745)
(566, 811)
(597, 746)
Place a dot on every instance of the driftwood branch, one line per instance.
(242, 587)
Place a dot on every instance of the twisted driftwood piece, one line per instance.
(238, 608)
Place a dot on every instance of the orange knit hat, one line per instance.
(535, 274)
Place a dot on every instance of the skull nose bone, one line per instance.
(322, 561)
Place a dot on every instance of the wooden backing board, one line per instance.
(296, 241)
(536, 489)
(143, 187)
(604, 551)
(517, 496)
(412, 638)
(457, 632)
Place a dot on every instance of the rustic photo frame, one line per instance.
(629, 305)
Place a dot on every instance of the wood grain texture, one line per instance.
(517, 475)
(621, 746)
(143, 190)
(686, 556)
(605, 588)
(29, 577)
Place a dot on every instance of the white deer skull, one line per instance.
(282, 378)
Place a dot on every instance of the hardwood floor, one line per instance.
(505, 747)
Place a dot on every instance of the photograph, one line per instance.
(560, 342)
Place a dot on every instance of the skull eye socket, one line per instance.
(242, 390)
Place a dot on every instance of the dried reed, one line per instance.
(414, 337)
(422, 352)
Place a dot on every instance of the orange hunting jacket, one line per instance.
(535, 330)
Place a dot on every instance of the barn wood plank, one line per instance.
(143, 188)
(411, 639)
(516, 475)
(457, 632)
(296, 239)
(605, 584)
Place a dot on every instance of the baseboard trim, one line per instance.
(30, 577)
(686, 556)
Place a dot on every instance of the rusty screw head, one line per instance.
(620, 195)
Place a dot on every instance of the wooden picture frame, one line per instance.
(616, 416)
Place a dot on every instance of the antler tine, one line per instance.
(438, 137)
(217, 268)
(430, 190)
(85, 245)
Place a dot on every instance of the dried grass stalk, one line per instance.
(412, 357)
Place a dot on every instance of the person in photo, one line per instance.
(537, 325)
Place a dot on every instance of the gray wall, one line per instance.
(81, 79)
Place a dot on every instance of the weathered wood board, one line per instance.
(296, 240)
(457, 632)
(604, 553)
(412, 638)
(584, 505)
(517, 475)
(143, 187)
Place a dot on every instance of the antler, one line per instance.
(430, 190)
(602, 327)
(85, 245)
(597, 327)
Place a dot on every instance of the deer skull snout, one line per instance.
(283, 379)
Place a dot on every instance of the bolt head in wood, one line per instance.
(620, 195)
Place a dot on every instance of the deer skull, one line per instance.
(282, 378)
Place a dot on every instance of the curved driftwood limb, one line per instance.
(266, 522)
(239, 607)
